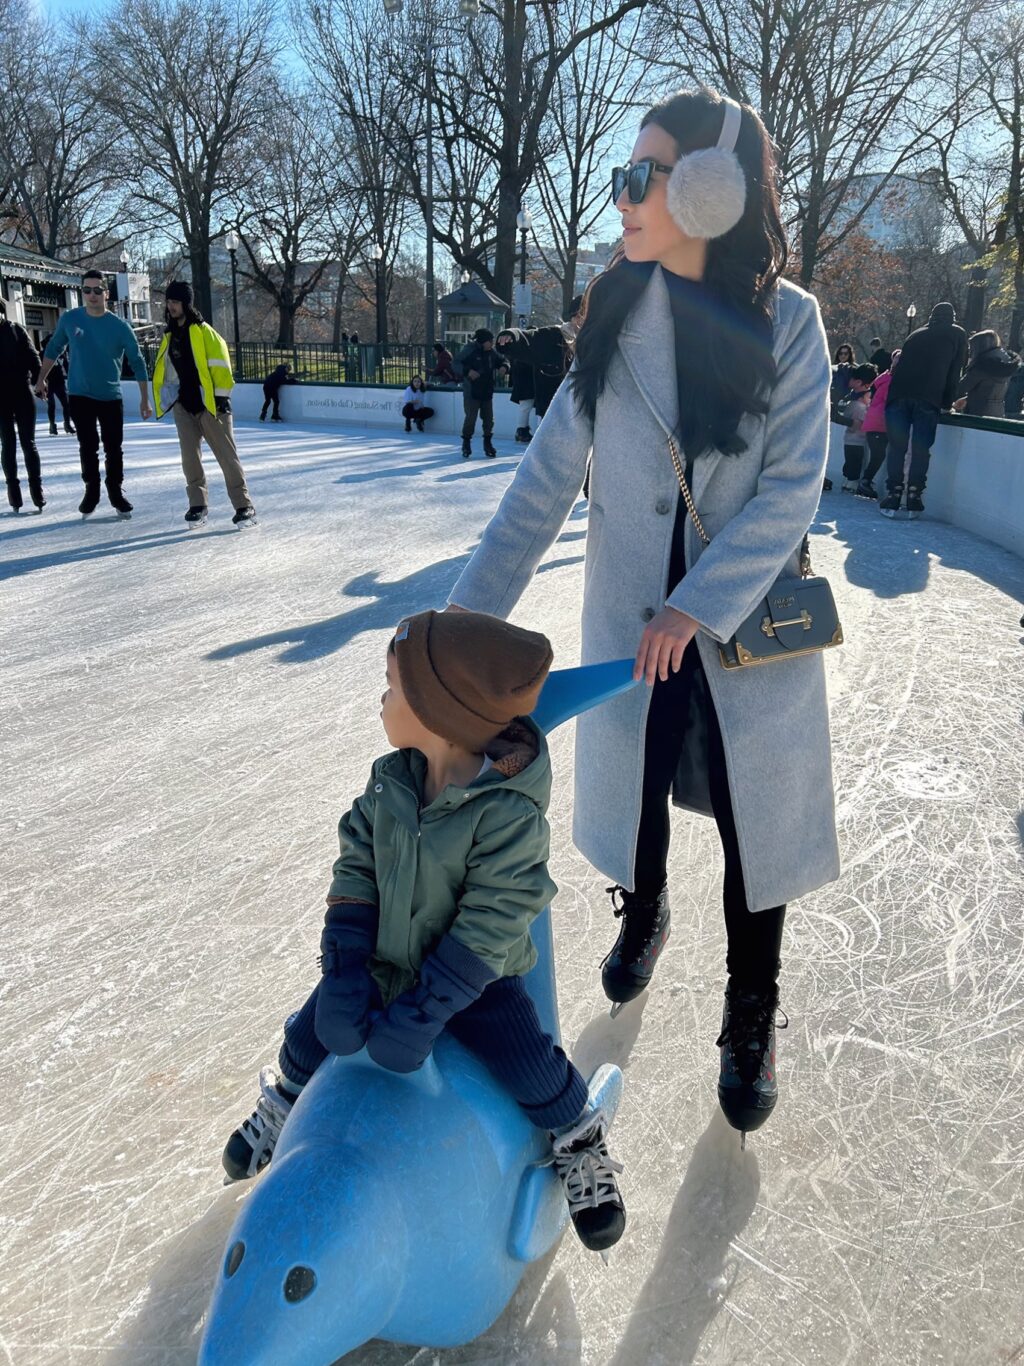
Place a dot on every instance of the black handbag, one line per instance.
(795, 617)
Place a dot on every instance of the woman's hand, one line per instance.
(662, 644)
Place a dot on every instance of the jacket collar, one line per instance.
(647, 344)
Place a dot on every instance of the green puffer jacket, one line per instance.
(473, 862)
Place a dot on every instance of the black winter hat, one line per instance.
(180, 290)
(944, 315)
(483, 334)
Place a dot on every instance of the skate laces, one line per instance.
(748, 1024)
(640, 917)
(263, 1127)
(584, 1166)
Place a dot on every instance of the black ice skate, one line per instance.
(865, 489)
(467, 449)
(646, 925)
(893, 501)
(90, 502)
(914, 504)
(244, 517)
(196, 516)
(524, 435)
(587, 1173)
(489, 450)
(120, 503)
(38, 499)
(252, 1144)
(53, 429)
(408, 425)
(748, 1086)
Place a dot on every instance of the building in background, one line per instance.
(37, 289)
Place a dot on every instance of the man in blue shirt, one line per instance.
(97, 343)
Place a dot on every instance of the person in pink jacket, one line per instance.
(873, 428)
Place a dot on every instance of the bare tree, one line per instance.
(187, 85)
(595, 91)
(283, 216)
(56, 172)
(847, 89)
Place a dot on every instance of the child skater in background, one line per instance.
(454, 817)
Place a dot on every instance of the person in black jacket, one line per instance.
(57, 391)
(880, 358)
(924, 382)
(272, 386)
(547, 351)
(19, 373)
(982, 391)
(481, 365)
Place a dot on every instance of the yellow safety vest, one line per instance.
(213, 362)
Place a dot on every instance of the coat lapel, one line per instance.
(647, 344)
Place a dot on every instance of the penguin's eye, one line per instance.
(300, 1282)
(234, 1259)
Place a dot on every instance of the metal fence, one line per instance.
(322, 363)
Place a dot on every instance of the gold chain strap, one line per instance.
(684, 489)
(805, 549)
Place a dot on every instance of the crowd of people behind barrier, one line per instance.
(892, 401)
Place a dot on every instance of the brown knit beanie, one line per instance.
(467, 675)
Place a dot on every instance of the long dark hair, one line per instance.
(738, 371)
(845, 346)
(189, 316)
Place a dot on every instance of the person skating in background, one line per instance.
(272, 386)
(547, 351)
(57, 392)
(874, 430)
(931, 360)
(843, 363)
(442, 868)
(19, 371)
(414, 407)
(880, 358)
(97, 344)
(481, 365)
(443, 369)
(851, 413)
(192, 378)
(982, 390)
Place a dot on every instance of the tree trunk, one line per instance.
(199, 259)
(339, 299)
(285, 322)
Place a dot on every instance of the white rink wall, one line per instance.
(975, 481)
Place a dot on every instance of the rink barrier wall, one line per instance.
(976, 478)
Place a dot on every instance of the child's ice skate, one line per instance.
(587, 1173)
(252, 1145)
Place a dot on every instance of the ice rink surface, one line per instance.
(184, 717)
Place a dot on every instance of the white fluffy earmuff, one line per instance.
(707, 190)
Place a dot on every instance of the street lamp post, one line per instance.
(231, 241)
(524, 222)
(911, 315)
(125, 303)
(382, 316)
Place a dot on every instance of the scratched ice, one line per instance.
(183, 717)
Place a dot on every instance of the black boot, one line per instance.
(53, 429)
(890, 504)
(36, 494)
(467, 448)
(489, 450)
(524, 434)
(914, 504)
(587, 1173)
(69, 429)
(646, 925)
(408, 425)
(747, 1083)
(119, 502)
(91, 500)
(14, 494)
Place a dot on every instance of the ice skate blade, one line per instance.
(244, 526)
(743, 1140)
(606, 1256)
(123, 516)
(616, 1009)
(899, 514)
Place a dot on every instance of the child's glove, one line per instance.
(451, 978)
(347, 991)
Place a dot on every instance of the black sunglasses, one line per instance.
(635, 179)
(90, 289)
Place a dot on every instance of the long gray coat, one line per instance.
(755, 508)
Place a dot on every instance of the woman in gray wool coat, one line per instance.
(692, 337)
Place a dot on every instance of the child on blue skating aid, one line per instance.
(443, 866)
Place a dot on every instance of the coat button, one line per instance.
(663, 506)
(648, 614)
(378, 787)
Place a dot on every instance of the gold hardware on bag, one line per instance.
(769, 627)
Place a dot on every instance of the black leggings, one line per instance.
(754, 939)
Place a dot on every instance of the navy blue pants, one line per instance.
(502, 1029)
(909, 421)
